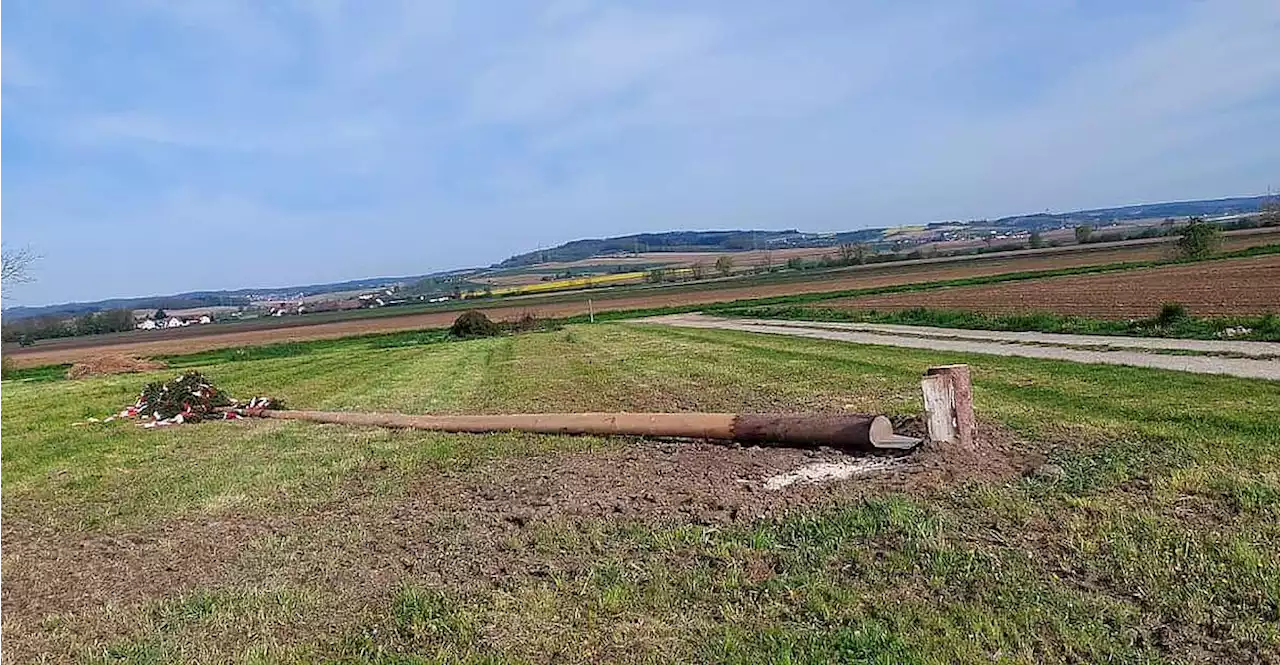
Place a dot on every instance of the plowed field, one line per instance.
(1216, 288)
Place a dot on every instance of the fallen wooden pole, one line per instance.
(849, 432)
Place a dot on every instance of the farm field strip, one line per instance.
(1230, 287)
(73, 350)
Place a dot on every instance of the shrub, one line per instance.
(1171, 313)
(473, 323)
(1199, 239)
(1268, 326)
(530, 322)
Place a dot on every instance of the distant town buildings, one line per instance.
(151, 323)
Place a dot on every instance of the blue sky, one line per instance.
(158, 146)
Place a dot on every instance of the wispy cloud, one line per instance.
(453, 133)
(577, 66)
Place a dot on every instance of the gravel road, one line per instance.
(1261, 361)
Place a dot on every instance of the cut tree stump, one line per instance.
(948, 405)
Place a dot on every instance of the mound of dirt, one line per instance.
(113, 365)
(711, 483)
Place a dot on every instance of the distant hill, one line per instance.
(1175, 209)
(196, 299)
(727, 241)
(681, 241)
(671, 241)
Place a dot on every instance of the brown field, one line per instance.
(189, 340)
(1217, 288)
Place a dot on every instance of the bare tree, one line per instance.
(16, 267)
(724, 265)
(1270, 210)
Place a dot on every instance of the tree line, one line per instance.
(28, 330)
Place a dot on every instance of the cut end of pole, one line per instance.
(948, 405)
(882, 436)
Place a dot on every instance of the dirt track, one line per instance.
(1218, 288)
(1072, 348)
(150, 343)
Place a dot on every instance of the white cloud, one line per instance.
(1107, 125)
(592, 61)
(440, 122)
(278, 138)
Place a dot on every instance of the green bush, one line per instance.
(473, 323)
(1268, 327)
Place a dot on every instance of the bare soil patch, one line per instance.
(463, 529)
(1248, 286)
(114, 364)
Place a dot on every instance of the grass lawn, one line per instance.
(277, 542)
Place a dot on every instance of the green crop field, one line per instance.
(1148, 533)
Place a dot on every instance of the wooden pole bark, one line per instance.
(851, 431)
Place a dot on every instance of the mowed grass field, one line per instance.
(1153, 538)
